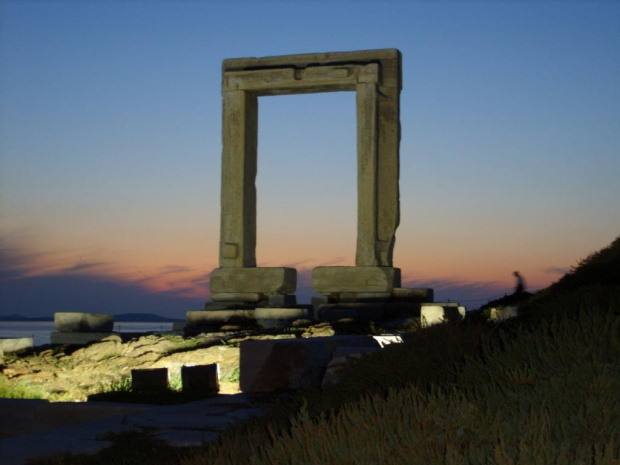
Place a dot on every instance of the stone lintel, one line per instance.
(390, 60)
(329, 279)
(290, 80)
(249, 280)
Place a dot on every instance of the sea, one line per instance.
(40, 330)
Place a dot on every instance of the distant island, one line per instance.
(123, 318)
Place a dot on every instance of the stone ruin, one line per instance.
(372, 288)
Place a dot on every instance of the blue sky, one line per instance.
(110, 120)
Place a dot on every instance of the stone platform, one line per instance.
(384, 303)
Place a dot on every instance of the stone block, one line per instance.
(77, 339)
(201, 378)
(279, 365)
(253, 297)
(336, 297)
(337, 279)
(152, 379)
(390, 60)
(433, 314)
(15, 344)
(230, 306)
(413, 294)
(178, 326)
(219, 317)
(68, 322)
(254, 280)
(279, 300)
(279, 317)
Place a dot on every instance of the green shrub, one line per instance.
(18, 390)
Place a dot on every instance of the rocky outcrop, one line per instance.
(96, 368)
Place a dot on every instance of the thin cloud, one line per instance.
(82, 266)
(202, 279)
(175, 269)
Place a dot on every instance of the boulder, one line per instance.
(279, 365)
(503, 313)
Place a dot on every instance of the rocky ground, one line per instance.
(59, 374)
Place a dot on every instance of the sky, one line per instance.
(110, 146)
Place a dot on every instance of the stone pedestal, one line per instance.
(251, 284)
(356, 279)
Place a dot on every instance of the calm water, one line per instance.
(41, 330)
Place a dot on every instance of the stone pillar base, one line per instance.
(247, 283)
(356, 279)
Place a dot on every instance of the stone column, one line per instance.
(366, 254)
(238, 198)
(388, 161)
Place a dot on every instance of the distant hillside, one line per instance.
(123, 318)
(15, 317)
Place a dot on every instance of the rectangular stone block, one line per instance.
(279, 317)
(413, 294)
(201, 378)
(83, 322)
(289, 80)
(237, 296)
(279, 300)
(335, 297)
(248, 280)
(278, 365)
(218, 317)
(329, 279)
(440, 313)
(15, 344)
(390, 60)
(152, 379)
